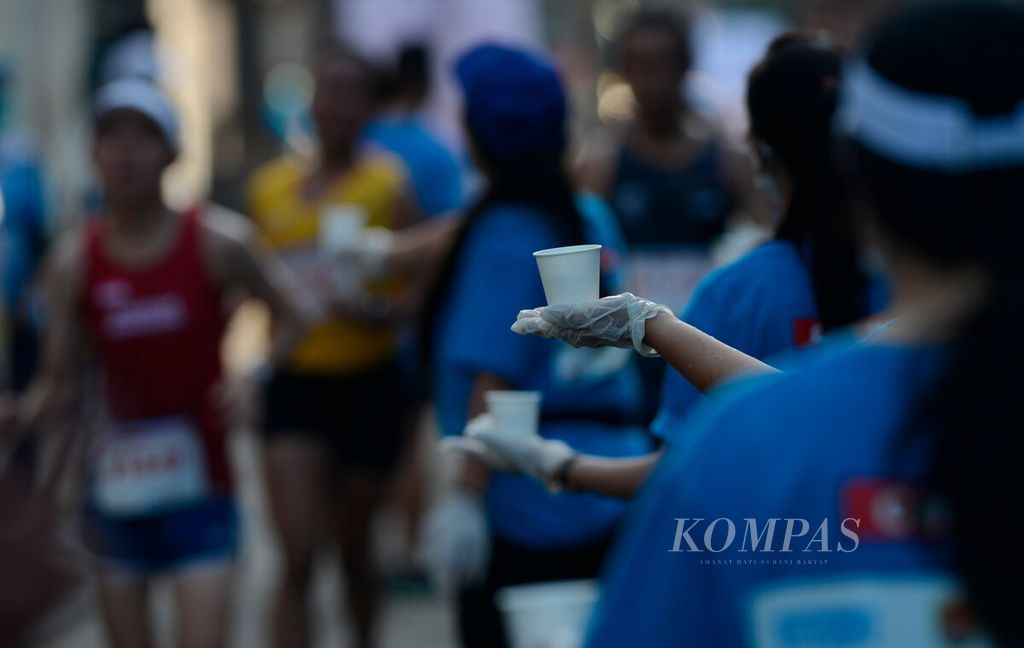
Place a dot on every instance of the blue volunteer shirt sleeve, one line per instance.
(498, 279)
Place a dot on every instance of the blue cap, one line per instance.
(514, 100)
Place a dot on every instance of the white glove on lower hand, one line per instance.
(466, 443)
(457, 542)
(369, 252)
(613, 321)
(529, 454)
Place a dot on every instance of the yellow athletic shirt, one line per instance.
(292, 225)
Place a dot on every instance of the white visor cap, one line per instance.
(142, 96)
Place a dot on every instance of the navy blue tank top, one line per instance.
(686, 204)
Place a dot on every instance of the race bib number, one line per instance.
(324, 280)
(146, 466)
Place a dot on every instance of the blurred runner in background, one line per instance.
(434, 172)
(674, 181)
(142, 288)
(336, 415)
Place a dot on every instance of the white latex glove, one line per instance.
(457, 542)
(613, 321)
(529, 454)
(469, 445)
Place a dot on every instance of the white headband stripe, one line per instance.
(926, 131)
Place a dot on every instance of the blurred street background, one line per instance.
(236, 67)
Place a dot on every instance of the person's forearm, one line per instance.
(701, 359)
(423, 245)
(45, 401)
(620, 478)
(290, 324)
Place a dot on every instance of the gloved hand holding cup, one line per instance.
(510, 414)
(575, 314)
(616, 321)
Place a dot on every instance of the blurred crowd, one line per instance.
(802, 317)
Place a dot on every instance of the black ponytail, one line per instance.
(791, 97)
(971, 417)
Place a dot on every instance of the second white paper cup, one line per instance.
(570, 274)
(514, 412)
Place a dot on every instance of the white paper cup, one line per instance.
(570, 274)
(514, 412)
(548, 615)
(341, 226)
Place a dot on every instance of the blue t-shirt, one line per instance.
(583, 391)
(818, 444)
(436, 177)
(762, 304)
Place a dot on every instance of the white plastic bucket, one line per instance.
(548, 615)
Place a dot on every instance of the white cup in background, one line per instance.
(341, 226)
(570, 274)
(514, 412)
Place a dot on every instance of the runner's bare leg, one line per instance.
(202, 596)
(124, 604)
(295, 485)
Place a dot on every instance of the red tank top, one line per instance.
(157, 332)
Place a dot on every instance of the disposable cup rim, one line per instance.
(569, 249)
(513, 394)
(566, 594)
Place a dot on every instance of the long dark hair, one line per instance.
(408, 77)
(791, 97)
(538, 180)
(971, 417)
